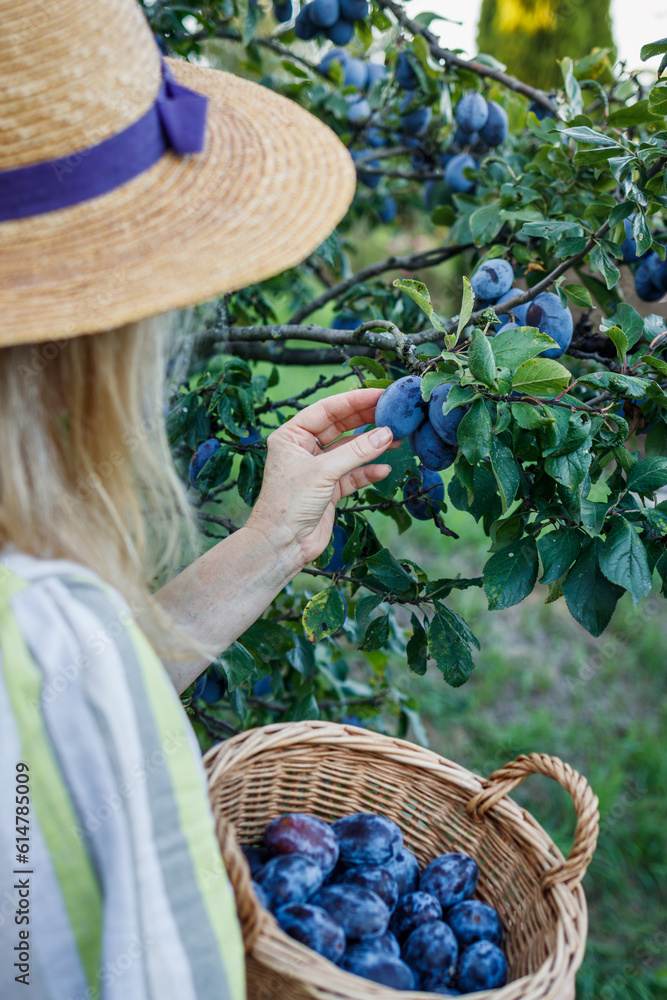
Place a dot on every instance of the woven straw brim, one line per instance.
(271, 184)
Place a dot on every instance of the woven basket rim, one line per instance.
(272, 945)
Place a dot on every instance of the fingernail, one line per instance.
(380, 436)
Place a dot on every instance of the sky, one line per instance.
(635, 22)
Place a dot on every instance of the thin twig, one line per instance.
(451, 59)
(407, 262)
(224, 522)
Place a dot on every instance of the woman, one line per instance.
(131, 186)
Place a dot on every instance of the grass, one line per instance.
(543, 684)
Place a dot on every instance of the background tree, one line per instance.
(529, 36)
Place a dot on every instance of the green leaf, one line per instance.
(623, 560)
(417, 647)
(656, 363)
(636, 114)
(541, 377)
(486, 223)
(648, 475)
(420, 294)
(653, 49)
(622, 385)
(530, 417)
(386, 572)
(641, 233)
(467, 304)
(510, 575)
(362, 361)
(604, 262)
(269, 639)
(295, 69)
(302, 656)
(619, 340)
(584, 134)
(450, 652)
(324, 614)
(250, 479)
(354, 543)
(570, 469)
(430, 381)
(217, 469)
(552, 229)
(481, 360)
(655, 442)
(578, 294)
(400, 459)
(238, 664)
(305, 708)
(593, 157)
(377, 383)
(630, 322)
(458, 395)
(656, 518)
(620, 212)
(589, 595)
(558, 551)
(376, 634)
(474, 432)
(505, 471)
(365, 606)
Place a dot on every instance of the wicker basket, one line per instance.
(332, 770)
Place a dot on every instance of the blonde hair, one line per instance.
(85, 468)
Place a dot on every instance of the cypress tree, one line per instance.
(530, 35)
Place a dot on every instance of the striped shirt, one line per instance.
(111, 882)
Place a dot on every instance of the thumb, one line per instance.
(356, 451)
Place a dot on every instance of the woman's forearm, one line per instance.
(223, 592)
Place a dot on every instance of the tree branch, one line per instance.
(224, 522)
(267, 43)
(376, 333)
(407, 262)
(451, 59)
(322, 383)
(279, 355)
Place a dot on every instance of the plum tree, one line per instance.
(553, 464)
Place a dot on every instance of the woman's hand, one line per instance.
(304, 479)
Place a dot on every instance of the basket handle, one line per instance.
(505, 779)
(247, 905)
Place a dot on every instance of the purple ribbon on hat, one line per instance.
(176, 121)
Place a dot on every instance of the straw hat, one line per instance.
(269, 185)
